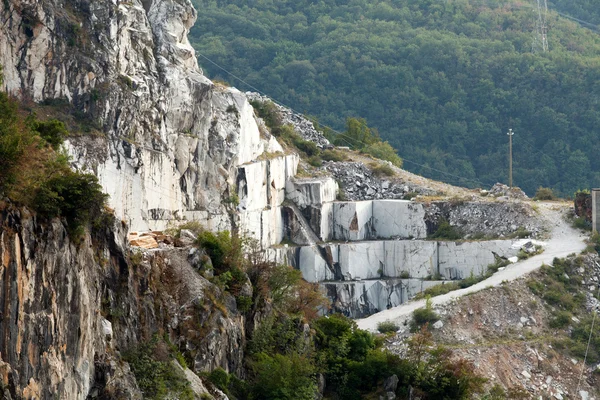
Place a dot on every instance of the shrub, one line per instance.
(499, 263)
(543, 193)
(154, 373)
(315, 161)
(446, 231)
(333, 155)
(52, 131)
(438, 290)
(220, 378)
(560, 320)
(283, 377)
(383, 170)
(244, 303)
(387, 327)
(268, 111)
(582, 223)
(75, 196)
(423, 316)
(520, 233)
(383, 151)
(470, 281)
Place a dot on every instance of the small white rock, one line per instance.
(106, 328)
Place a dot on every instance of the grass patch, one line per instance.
(333, 155)
(520, 233)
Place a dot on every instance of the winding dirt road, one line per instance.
(563, 241)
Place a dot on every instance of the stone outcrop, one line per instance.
(70, 309)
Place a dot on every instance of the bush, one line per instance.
(520, 233)
(582, 223)
(560, 320)
(268, 111)
(244, 303)
(387, 327)
(446, 231)
(75, 196)
(543, 193)
(155, 375)
(333, 155)
(383, 170)
(423, 316)
(283, 377)
(220, 378)
(438, 290)
(383, 151)
(52, 131)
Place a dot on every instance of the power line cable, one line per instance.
(587, 349)
(341, 135)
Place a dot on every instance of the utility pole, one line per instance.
(510, 135)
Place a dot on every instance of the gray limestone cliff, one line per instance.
(171, 141)
(69, 310)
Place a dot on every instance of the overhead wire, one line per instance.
(587, 349)
(349, 140)
(345, 138)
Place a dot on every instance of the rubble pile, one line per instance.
(501, 190)
(477, 219)
(357, 182)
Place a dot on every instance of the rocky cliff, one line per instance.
(172, 140)
(69, 310)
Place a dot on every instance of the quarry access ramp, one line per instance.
(563, 241)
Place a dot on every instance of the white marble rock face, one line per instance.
(173, 143)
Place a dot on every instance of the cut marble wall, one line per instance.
(363, 298)
(395, 259)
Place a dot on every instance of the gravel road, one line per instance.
(563, 241)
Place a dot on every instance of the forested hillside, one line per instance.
(586, 10)
(442, 81)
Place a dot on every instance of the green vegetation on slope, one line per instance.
(34, 173)
(441, 81)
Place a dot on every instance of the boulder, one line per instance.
(391, 383)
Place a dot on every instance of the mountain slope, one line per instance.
(442, 82)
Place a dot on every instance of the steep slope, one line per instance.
(441, 81)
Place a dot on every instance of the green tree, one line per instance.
(283, 377)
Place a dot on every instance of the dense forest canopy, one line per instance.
(442, 81)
